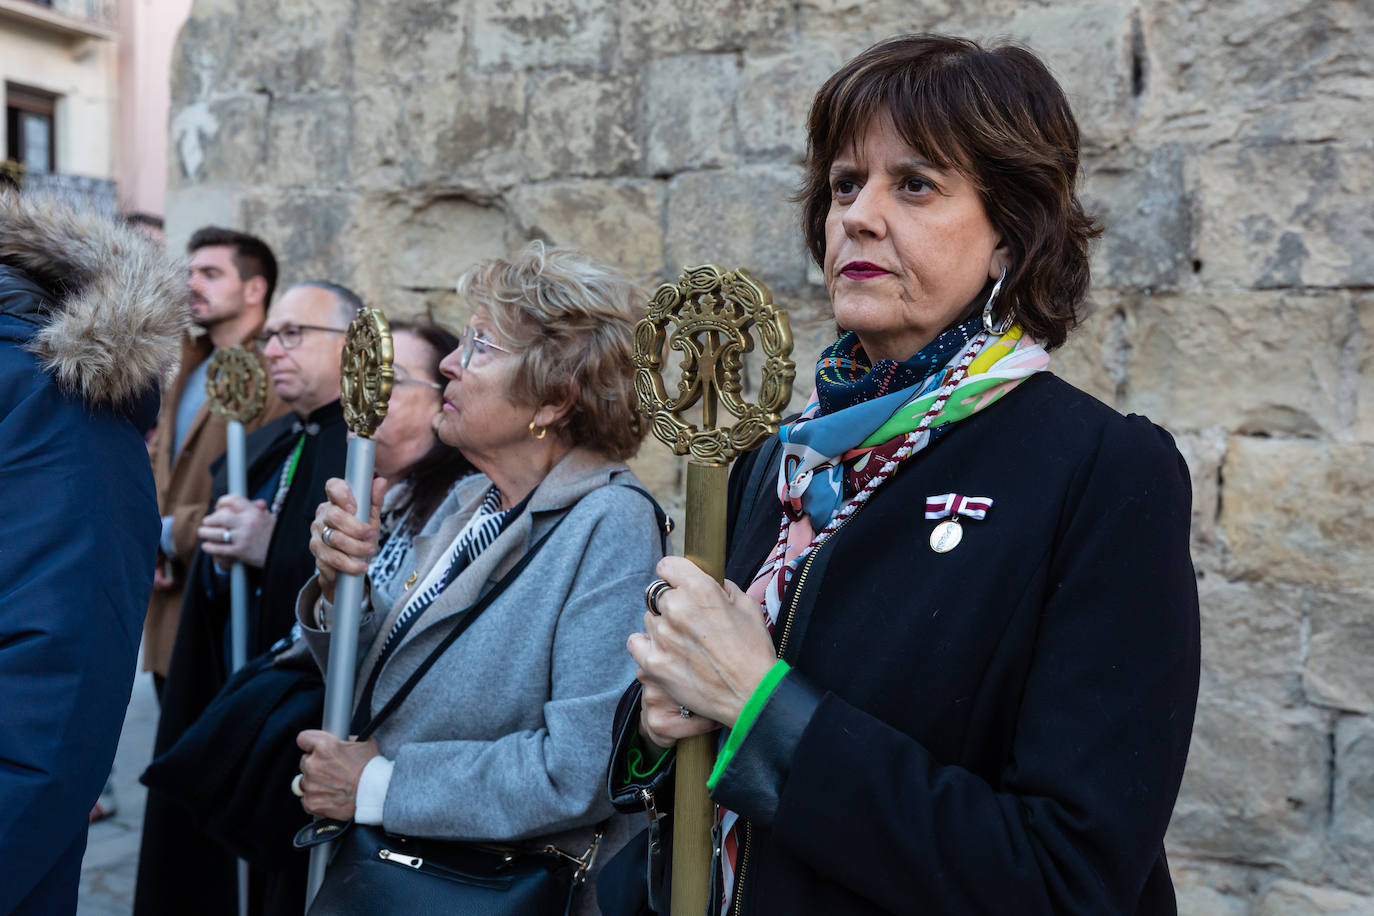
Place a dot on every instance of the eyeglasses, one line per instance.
(291, 335)
(472, 342)
(400, 379)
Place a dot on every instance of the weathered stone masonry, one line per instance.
(1229, 148)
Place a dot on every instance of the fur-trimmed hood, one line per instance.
(116, 305)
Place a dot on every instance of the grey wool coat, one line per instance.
(507, 736)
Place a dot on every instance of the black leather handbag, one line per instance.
(374, 873)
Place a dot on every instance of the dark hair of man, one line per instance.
(251, 256)
(443, 465)
(997, 117)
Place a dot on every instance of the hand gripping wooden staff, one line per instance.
(236, 387)
(707, 316)
(366, 379)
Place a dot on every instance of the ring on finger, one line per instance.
(652, 593)
(325, 534)
(684, 712)
(226, 537)
(298, 785)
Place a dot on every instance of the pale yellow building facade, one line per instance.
(85, 87)
(59, 64)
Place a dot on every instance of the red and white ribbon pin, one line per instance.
(950, 505)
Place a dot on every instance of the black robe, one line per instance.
(180, 869)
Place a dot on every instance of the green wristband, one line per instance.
(757, 700)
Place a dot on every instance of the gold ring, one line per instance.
(652, 593)
(297, 789)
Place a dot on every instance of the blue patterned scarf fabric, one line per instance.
(854, 398)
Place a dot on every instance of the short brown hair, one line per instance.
(997, 117)
(252, 257)
(570, 320)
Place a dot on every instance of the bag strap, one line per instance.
(665, 521)
(769, 457)
(463, 623)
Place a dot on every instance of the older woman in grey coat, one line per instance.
(505, 737)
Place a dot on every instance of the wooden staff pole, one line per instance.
(366, 379)
(693, 812)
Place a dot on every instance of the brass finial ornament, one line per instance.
(235, 384)
(712, 318)
(367, 374)
(707, 315)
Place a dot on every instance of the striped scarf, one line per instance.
(484, 526)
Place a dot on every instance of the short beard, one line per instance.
(209, 321)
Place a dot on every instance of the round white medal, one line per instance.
(946, 536)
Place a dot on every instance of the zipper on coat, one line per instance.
(738, 899)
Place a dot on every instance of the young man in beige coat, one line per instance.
(232, 276)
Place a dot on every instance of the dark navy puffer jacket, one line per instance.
(79, 366)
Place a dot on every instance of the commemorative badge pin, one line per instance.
(952, 507)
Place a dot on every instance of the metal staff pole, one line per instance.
(238, 576)
(707, 315)
(236, 387)
(366, 380)
(238, 598)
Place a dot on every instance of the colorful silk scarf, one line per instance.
(862, 436)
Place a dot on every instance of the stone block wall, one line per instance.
(1229, 148)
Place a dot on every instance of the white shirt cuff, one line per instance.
(169, 547)
(372, 786)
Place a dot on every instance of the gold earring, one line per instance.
(543, 431)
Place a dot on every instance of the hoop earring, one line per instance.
(543, 431)
(999, 327)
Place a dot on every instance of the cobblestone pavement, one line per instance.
(111, 863)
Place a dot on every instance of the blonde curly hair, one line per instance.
(570, 321)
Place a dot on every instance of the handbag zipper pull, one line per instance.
(654, 865)
(389, 856)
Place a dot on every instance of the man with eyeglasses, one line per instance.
(288, 462)
(231, 279)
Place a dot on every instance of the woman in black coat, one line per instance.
(959, 670)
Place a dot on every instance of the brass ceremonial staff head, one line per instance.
(707, 315)
(235, 384)
(367, 374)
